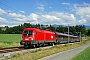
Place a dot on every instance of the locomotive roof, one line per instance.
(29, 28)
(48, 31)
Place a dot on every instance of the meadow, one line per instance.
(84, 55)
(9, 40)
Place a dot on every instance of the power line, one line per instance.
(8, 6)
(11, 8)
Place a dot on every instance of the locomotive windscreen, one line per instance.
(28, 33)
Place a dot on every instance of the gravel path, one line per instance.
(66, 55)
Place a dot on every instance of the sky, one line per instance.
(60, 12)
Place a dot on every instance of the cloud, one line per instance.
(54, 18)
(22, 11)
(3, 25)
(83, 11)
(80, 15)
(14, 15)
(50, 17)
(40, 7)
(18, 17)
(50, 7)
(2, 11)
(65, 3)
(42, 18)
(33, 16)
(82, 21)
(3, 20)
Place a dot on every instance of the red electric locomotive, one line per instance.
(35, 37)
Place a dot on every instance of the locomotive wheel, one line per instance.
(57, 42)
(26, 46)
(44, 44)
(53, 44)
(49, 43)
(34, 46)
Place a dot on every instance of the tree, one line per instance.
(80, 28)
(51, 28)
(61, 29)
(27, 25)
(8, 31)
(88, 33)
(0, 30)
(72, 30)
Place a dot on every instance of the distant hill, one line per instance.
(87, 26)
(55, 25)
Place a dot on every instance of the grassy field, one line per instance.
(84, 55)
(9, 40)
(88, 38)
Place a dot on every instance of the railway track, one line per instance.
(6, 53)
(11, 49)
(14, 49)
(20, 48)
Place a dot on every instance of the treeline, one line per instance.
(74, 30)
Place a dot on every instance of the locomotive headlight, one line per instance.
(26, 39)
(31, 38)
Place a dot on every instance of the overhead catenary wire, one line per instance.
(11, 8)
(8, 6)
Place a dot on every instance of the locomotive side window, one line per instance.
(28, 33)
(36, 33)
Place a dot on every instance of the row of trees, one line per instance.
(63, 29)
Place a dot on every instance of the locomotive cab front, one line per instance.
(27, 37)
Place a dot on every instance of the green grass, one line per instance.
(10, 38)
(84, 55)
(88, 38)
